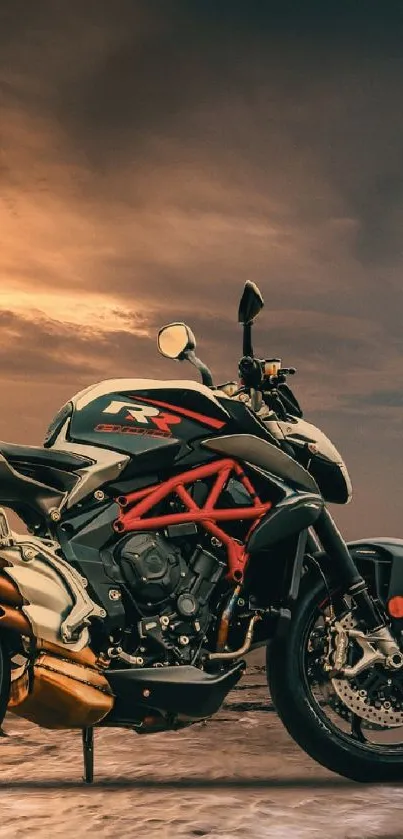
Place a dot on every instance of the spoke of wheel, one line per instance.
(356, 729)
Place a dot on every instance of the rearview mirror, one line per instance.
(251, 303)
(175, 339)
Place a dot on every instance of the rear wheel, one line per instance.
(353, 727)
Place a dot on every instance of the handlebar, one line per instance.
(255, 373)
(265, 380)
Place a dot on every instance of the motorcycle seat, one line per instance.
(39, 456)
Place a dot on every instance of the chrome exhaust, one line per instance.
(9, 592)
(242, 650)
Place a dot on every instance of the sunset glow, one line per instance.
(142, 183)
(93, 311)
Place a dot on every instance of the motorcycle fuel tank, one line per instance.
(135, 416)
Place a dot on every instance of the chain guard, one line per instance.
(350, 696)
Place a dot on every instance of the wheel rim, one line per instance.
(343, 722)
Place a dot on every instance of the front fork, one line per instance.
(354, 585)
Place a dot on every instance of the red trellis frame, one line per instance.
(134, 518)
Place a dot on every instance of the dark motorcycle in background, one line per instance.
(174, 526)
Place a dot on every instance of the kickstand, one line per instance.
(88, 754)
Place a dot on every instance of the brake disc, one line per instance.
(375, 708)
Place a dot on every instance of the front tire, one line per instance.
(302, 714)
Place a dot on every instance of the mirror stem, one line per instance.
(207, 378)
(247, 339)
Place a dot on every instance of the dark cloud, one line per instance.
(155, 155)
(50, 351)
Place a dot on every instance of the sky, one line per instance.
(156, 155)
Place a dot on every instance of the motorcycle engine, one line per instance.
(171, 594)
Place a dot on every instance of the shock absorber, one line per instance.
(334, 545)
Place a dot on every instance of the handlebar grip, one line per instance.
(250, 371)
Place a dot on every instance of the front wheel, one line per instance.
(354, 728)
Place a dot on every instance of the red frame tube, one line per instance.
(137, 504)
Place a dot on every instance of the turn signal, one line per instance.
(395, 606)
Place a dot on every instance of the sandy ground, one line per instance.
(239, 776)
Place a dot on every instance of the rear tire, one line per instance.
(302, 715)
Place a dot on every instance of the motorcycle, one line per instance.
(174, 526)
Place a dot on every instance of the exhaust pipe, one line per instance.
(15, 620)
(11, 618)
(9, 592)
